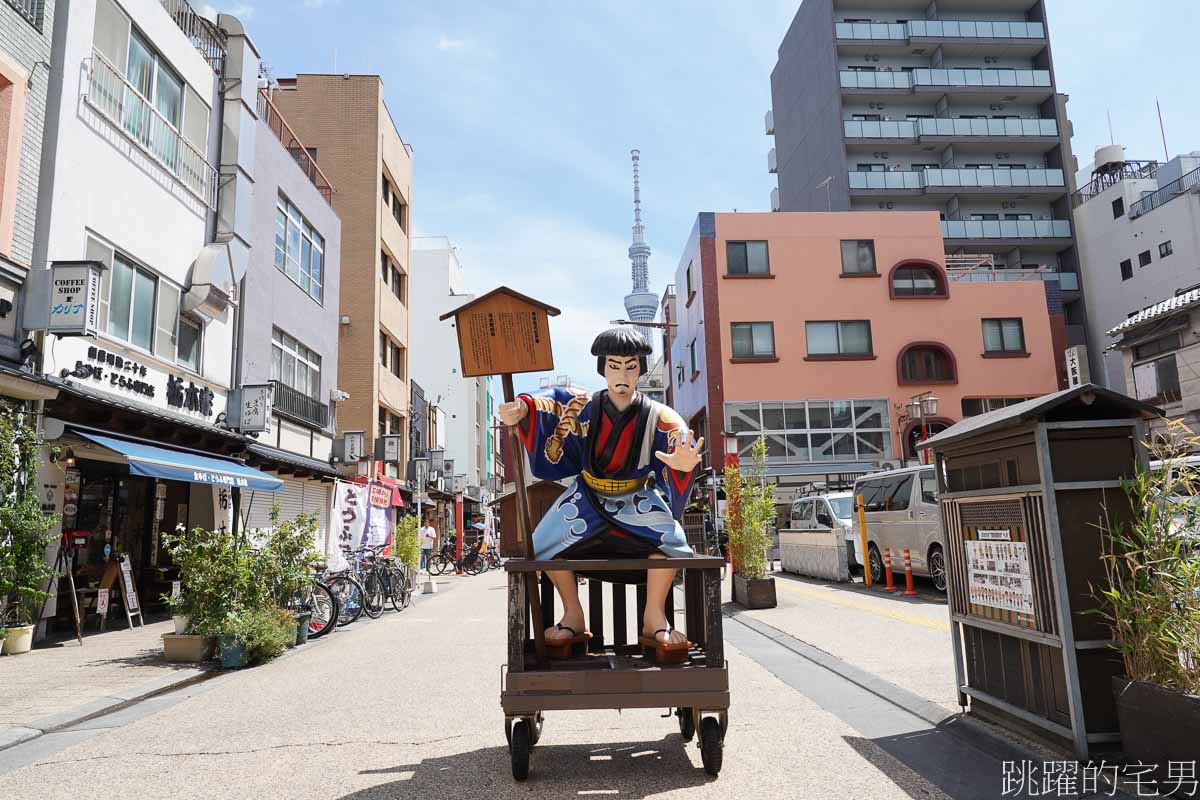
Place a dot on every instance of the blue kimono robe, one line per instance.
(626, 490)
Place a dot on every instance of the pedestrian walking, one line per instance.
(426, 537)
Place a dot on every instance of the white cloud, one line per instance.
(242, 11)
(446, 43)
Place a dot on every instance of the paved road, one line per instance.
(408, 707)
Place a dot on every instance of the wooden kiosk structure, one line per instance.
(1023, 491)
(503, 332)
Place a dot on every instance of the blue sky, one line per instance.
(521, 115)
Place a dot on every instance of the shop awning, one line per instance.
(178, 465)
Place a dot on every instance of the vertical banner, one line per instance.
(379, 523)
(348, 523)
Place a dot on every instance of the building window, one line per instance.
(383, 420)
(299, 249)
(858, 257)
(1003, 336)
(385, 269)
(1165, 249)
(397, 360)
(294, 365)
(383, 349)
(747, 258)
(688, 277)
(692, 357)
(1144, 258)
(387, 192)
(838, 338)
(1157, 381)
(393, 200)
(927, 363)
(400, 285)
(917, 281)
(139, 307)
(32, 10)
(1118, 207)
(155, 107)
(813, 430)
(974, 406)
(1156, 347)
(753, 339)
(1126, 269)
(395, 424)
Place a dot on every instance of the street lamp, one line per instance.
(437, 459)
(922, 407)
(731, 450)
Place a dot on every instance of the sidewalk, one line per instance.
(63, 682)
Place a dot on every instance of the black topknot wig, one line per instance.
(624, 341)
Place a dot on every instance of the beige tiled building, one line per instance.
(344, 119)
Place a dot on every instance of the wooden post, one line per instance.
(525, 529)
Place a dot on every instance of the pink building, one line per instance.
(816, 329)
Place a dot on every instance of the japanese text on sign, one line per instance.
(998, 573)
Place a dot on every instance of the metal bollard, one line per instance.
(908, 578)
(887, 570)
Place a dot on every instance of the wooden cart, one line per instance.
(614, 673)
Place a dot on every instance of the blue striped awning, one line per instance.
(179, 465)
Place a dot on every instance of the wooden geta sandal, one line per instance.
(664, 653)
(565, 648)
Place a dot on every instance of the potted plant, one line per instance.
(25, 571)
(254, 635)
(1151, 602)
(212, 573)
(285, 558)
(749, 511)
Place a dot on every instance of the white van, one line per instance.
(901, 510)
(825, 512)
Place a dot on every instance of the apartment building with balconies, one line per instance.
(1138, 228)
(346, 126)
(905, 105)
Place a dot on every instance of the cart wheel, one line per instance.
(712, 746)
(508, 731)
(687, 723)
(518, 748)
(536, 728)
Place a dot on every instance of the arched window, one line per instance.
(927, 362)
(917, 280)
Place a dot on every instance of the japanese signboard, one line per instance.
(503, 332)
(390, 448)
(74, 297)
(998, 577)
(252, 413)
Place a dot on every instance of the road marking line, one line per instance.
(883, 612)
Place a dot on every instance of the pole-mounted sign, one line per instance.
(75, 298)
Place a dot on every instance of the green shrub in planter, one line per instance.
(262, 633)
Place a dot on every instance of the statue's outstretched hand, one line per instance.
(685, 456)
(512, 413)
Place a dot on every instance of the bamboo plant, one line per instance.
(749, 512)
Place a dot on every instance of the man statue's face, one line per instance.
(622, 373)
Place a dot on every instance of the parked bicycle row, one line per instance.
(368, 583)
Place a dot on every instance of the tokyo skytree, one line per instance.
(641, 305)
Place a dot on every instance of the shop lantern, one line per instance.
(74, 298)
(350, 448)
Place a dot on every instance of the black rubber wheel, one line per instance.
(373, 595)
(349, 595)
(712, 745)
(875, 564)
(687, 723)
(518, 749)
(324, 608)
(474, 566)
(937, 568)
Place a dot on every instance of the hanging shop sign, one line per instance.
(350, 447)
(74, 297)
(111, 369)
(250, 408)
(387, 448)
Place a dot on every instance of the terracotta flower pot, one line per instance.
(187, 647)
(1158, 725)
(754, 592)
(18, 640)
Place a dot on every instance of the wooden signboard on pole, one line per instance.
(501, 333)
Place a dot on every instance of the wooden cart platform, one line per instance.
(614, 672)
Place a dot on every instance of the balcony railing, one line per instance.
(772, 165)
(300, 406)
(203, 34)
(911, 129)
(958, 178)
(1188, 183)
(940, 29)
(867, 79)
(1007, 229)
(269, 114)
(975, 29)
(116, 99)
(981, 77)
(31, 10)
(1067, 281)
(769, 122)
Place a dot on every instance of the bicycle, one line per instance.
(472, 563)
(317, 599)
(493, 558)
(348, 593)
(384, 578)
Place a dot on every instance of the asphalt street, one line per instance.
(408, 707)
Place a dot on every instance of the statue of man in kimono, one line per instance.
(631, 462)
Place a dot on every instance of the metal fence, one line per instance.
(1188, 183)
(116, 99)
(203, 34)
(269, 114)
(32, 10)
(299, 405)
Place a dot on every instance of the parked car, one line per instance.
(825, 512)
(901, 510)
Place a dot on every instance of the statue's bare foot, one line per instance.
(571, 621)
(655, 624)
